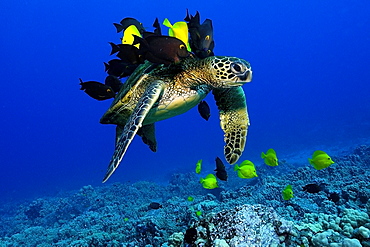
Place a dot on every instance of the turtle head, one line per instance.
(230, 71)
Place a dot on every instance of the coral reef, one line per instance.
(239, 213)
(245, 225)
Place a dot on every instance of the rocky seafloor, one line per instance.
(250, 215)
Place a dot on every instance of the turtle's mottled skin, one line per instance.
(157, 92)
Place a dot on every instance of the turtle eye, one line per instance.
(236, 68)
(207, 37)
(182, 46)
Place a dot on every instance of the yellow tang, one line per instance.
(320, 160)
(288, 193)
(246, 169)
(270, 157)
(178, 30)
(128, 35)
(198, 167)
(210, 182)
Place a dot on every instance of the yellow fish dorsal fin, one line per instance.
(288, 187)
(181, 25)
(317, 153)
(271, 151)
(246, 163)
(210, 176)
(128, 34)
(263, 155)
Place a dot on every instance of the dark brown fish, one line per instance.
(97, 90)
(203, 40)
(118, 68)
(128, 21)
(204, 110)
(162, 49)
(220, 170)
(334, 197)
(154, 205)
(113, 82)
(157, 27)
(192, 20)
(127, 53)
(201, 36)
(157, 30)
(312, 188)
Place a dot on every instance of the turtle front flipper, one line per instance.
(119, 130)
(234, 119)
(146, 102)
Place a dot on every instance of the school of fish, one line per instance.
(247, 170)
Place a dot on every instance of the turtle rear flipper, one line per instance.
(146, 102)
(147, 133)
(234, 119)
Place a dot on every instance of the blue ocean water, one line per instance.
(310, 88)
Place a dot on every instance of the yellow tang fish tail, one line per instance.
(236, 167)
(310, 161)
(167, 23)
(263, 155)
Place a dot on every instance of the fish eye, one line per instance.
(207, 37)
(182, 46)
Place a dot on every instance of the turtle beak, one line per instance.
(246, 76)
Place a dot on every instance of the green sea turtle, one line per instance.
(156, 92)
